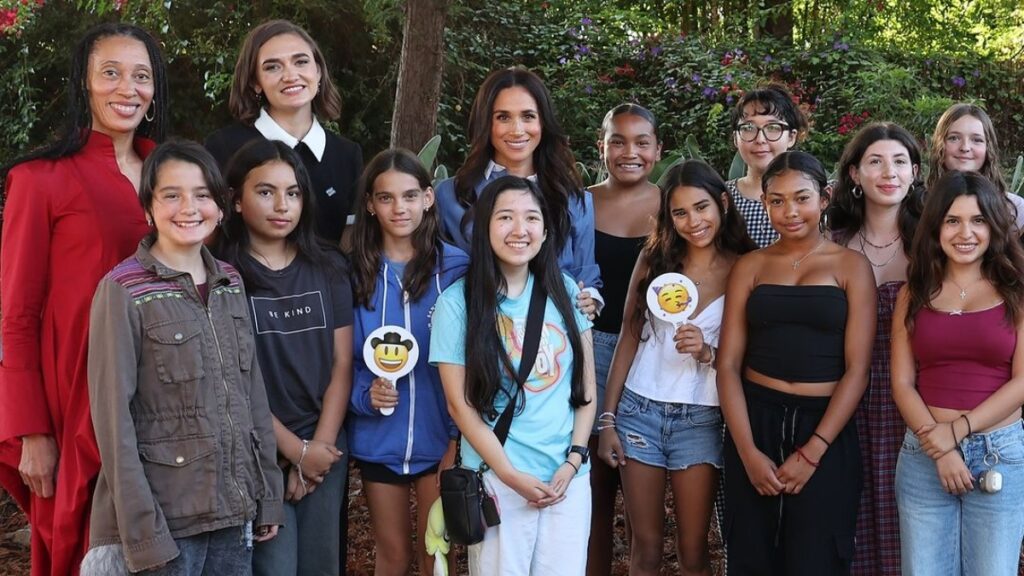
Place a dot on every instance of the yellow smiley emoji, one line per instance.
(673, 298)
(391, 352)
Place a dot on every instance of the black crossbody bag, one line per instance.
(468, 509)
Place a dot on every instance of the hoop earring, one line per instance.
(150, 113)
(857, 191)
(823, 222)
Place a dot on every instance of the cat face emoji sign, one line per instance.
(672, 297)
(391, 352)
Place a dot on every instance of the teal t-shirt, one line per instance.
(540, 435)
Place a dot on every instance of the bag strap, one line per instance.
(531, 345)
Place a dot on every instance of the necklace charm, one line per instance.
(963, 294)
(796, 263)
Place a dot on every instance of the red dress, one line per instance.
(67, 222)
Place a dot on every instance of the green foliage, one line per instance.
(846, 63)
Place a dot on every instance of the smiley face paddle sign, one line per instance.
(672, 297)
(391, 352)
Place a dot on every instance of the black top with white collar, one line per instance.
(334, 176)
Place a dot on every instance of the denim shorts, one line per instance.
(604, 349)
(669, 435)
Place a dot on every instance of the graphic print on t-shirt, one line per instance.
(289, 314)
(547, 370)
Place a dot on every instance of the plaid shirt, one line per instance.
(759, 227)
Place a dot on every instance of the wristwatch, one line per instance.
(583, 451)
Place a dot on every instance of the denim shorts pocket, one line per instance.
(911, 445)
(182, 473)
(628, 404)
(1009, 448)
(704, 416)
(177, 350)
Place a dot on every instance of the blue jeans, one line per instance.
(604, 349)
(216, 553)
(975, 534)
(308, 543)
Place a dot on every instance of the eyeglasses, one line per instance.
(772, 131)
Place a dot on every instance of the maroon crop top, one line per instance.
(962, 358)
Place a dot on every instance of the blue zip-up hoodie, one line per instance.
(416, 436)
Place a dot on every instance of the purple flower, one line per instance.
(586, 21)
(786, 68)
(739, 52)
(767, 57)
(582, 49)
(695, 78)
(976, 73)
(656, 50)
(840, 46)
(562, 60)
(728, 99)
(728, 77)
(588, 89)
(573, 32)
(670, 82)
(709, 93)
(959, 81)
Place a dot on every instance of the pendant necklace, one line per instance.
(796, 263)
(963, 289)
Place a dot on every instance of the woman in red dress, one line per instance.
(71, 214)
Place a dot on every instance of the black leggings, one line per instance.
(810, 533)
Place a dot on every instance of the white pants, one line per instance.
(529, 541)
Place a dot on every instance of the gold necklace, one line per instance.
(864, 239)
(796, 263)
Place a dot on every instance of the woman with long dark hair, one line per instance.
(513, 130)
(306, 358)
(875, 210)
(540, 476)
(958, 379)
(71, 214)
(400, 268)
(661, 411)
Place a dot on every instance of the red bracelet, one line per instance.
(800, 454)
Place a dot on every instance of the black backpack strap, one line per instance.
(531, 344)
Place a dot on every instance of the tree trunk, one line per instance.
(780, 24)
(419, 74)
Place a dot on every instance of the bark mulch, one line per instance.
(14, 558)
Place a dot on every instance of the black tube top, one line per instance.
(797, 333)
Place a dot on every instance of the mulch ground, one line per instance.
(14, 559)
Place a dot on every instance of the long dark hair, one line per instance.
(74, 132)
(664, 250)
(183, 151)
(245, 103)
(846, 212)
(368, 238)
(552, 159)
(234, 243)
(1002, 262)
(485, 287)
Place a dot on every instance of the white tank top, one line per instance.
(661, 373)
